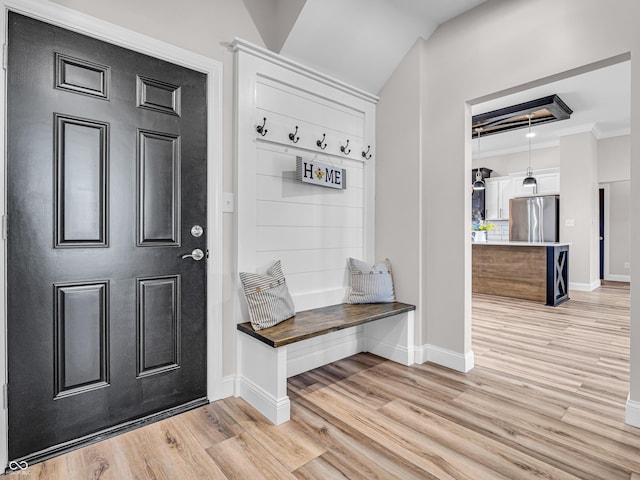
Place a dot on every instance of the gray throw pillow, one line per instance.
(370, 283)
(267, 297)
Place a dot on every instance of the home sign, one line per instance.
(317, 173)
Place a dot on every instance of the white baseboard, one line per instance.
(397, 353)
(420, 354)
(617, 278)
(584, 287)
(447, 358)
(316, 352)
(632, 415)
(224, 389)
(277, 410)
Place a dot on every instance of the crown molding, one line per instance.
(237, 44)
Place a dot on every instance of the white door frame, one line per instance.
(73, 20)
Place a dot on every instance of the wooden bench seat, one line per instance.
(385, 329)
(320, 321)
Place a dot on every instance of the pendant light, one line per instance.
(479, 183)
(529, 180)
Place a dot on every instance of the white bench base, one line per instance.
(263, 370)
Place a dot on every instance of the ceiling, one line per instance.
(360, 42)
(600, 101)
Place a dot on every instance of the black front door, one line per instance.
(106, 176)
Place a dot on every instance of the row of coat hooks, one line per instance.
(320, 143)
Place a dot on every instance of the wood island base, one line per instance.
(536, 272)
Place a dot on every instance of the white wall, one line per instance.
(399, 237)
(579, 208)
(614, 160)
(204, 27)
(519, 161)
(577, 33)
(619, 238)
(274, 19)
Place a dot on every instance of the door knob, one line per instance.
(197, 255)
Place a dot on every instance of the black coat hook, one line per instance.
(343, 148)
(292, 136)
(321, 143)
(260, 128)
(366, 155)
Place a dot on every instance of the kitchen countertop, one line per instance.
(522, 244)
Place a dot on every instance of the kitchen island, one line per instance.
(532, 271)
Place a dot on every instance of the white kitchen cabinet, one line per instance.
(548, 183)
(498, 192)
(517, 188)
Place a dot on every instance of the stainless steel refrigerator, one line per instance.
(534, 219)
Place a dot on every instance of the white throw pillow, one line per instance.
(370, 283)
(267, 297)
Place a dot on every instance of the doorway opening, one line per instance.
(584, 153)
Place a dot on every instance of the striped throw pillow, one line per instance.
(370, 283)
(267, 297)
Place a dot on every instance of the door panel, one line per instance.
(158, 324)
(158, 188)
(81, 179)
(81, 76)
(106, 321)
(81, 348)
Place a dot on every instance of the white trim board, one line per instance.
(632, 415)
(617, 278)
(584, 287)
(614, 277)
(446, 358)
(64, 17)
(244, 46)
(607, 227)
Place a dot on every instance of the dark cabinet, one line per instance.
(478, 196)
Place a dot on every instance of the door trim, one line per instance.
(602, 226)
(607, 232)
(75, 21)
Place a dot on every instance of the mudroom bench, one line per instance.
(385, 329)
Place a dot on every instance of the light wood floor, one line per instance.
(545, 400)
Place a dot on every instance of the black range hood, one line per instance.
(543, 110)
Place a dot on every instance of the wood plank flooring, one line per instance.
(546, 401)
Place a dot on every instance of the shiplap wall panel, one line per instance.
(278, 188)
(279, 127)
(276, 97)
(279, 213)
(326, 225)
(311, 229)
(309, 238)
(301, 283)
(309, 261)
(279, 161)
